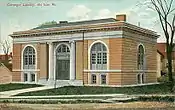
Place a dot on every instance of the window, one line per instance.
(142, 78)
(103, 79)
(63, 48)
(138, 79)
(98, 57)
(140, 59)
(25, 77)
(29, 58)
(33, 77)
(94, 78)
(140, 64)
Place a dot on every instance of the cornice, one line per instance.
(84, 28)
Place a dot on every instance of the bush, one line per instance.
(157, 98)
(163, 78)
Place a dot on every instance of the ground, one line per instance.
(92, 106)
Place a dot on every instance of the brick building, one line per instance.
(4, 57)
(162, 60)
(95, 52)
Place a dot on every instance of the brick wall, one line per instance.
(129, 57)
(5, 75)
(16, 62)
(79, 60)
(43, 61)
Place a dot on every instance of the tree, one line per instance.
(48, 23)
(6, 48)
(166, 15)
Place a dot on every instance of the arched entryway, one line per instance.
(63, 62)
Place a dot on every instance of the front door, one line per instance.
(62, 62)
(62, 69)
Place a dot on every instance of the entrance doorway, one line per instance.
(63, 62)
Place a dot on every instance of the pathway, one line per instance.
(15, 92)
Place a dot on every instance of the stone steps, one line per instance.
(61, 83)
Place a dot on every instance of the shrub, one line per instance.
(163, 78)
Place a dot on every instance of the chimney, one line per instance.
(121, 17)
(63, 22)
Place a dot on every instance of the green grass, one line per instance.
(71, 90)
(78, 101)
(15, 86)
(88, 97)
(157, 98)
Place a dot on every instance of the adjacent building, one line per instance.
(102, 52)
(162, 62)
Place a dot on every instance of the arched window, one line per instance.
(29, 58)
(63, 49)
(140, 58)
(140, 64)
(98, 57)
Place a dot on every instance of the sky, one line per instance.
(20, 15)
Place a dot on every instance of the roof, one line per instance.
(161, 47)
(65, 27)
(160, 53)
(77, 23)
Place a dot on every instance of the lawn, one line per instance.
(78, 90)
(15, 86)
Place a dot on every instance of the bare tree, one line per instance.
(166, 15)
(6, 48)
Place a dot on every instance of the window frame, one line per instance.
(29, 58)
(93, 81)
(98, 56)
(25, 77)
(101, 80)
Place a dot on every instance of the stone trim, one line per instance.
(118, 71)
(86, 28)
(69, 37)
(33, 70)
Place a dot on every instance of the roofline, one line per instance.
(65, 27)
(19, 33)
(160, 53)
(79, 25)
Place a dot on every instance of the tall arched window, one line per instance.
(140, 57)
(98, 57)
(29, 58)
(140, 64)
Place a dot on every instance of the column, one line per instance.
(29, 77)
(72, 60)
(51, 72)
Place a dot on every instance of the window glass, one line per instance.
(29, 57)
(63, 48)
(33, 77)
(103, 79)
(98, 57)
(140, 59)
(94, 78)
(25, 77)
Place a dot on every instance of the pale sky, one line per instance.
(19, 15)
